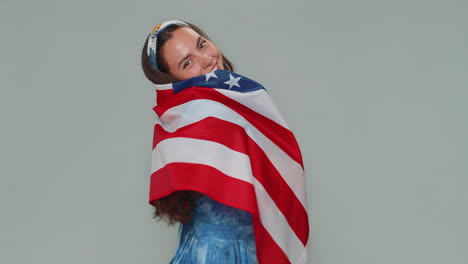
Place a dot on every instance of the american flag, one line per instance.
(221, 134)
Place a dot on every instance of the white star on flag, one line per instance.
(209, 75)
(233, 81)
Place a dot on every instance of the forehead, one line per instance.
(184, 31)
(181, 37)
(182, 42)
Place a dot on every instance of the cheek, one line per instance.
(195, 70)
(216, 51)
(212, 50)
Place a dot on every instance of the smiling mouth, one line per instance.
(214, 68)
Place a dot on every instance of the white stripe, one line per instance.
(277, 226)
(259, 100)
(232, 163)
(196, 110)
(166, 86)
(237, 165)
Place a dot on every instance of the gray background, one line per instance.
(376, 92)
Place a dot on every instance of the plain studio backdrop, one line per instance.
(375, 91)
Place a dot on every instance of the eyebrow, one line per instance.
(188, 55)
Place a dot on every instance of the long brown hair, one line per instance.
(178, 206)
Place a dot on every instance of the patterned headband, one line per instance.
(153, 38)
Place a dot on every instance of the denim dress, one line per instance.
(216, 234)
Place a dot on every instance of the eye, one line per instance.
(187, 63)
(203, 43)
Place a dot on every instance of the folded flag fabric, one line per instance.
(221, 134)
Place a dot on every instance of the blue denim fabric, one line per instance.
(216, 234)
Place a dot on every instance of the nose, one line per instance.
(206, 60)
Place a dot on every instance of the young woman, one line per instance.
(224, 162)
(211, 232)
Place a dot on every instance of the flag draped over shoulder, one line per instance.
(221, 134)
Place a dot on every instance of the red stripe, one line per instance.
(214, 129)
(204, 179)
(280, 135)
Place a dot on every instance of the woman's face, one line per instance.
(188, 54)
